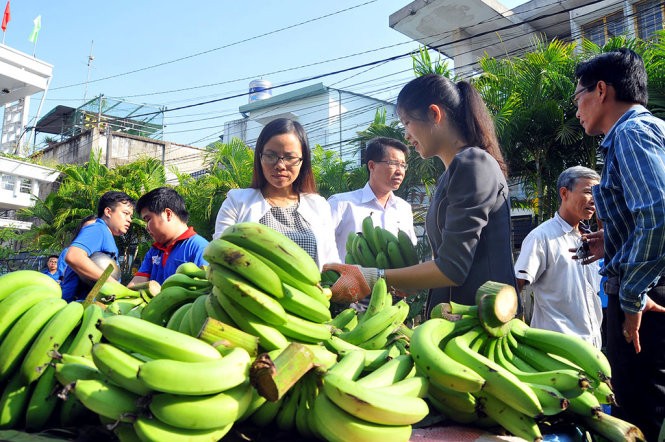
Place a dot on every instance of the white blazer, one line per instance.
(249, 205)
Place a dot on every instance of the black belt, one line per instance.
(613, 284)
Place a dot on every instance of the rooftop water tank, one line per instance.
(259, 90)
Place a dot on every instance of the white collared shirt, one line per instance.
(565, 292)
(349, 209)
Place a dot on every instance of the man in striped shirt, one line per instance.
(630, 201)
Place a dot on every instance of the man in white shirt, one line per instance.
(565, 292)
(386, 162)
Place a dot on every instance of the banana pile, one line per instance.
(377, 247)
(487, 371)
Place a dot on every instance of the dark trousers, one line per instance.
(638, 379)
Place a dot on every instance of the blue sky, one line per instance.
(221, 46)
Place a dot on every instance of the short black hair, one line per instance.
(623, 69)
(162, 198)
(376, 148)
(52, 256)
(112, 199)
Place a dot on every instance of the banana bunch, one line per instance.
(379, 406)
(377, 247)
(483, 368)
(36, 325)
(164, 385)
(375, 328)
(263, 284)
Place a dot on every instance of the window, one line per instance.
(26, 186)
(601, 30)
(7, 182)
(648, 18)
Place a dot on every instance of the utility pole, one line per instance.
(90, 58)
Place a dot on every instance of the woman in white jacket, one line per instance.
(283, 193)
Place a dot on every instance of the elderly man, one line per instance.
(565, 293)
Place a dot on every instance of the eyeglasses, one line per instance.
(575, 97)
(394, 164)
(271, 159)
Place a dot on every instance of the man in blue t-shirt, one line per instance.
(165, 215)
(114, 217)
(52, 268)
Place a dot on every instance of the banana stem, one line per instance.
(151, 287)
(273, 378)
(225, 337)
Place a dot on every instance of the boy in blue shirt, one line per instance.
(165, 215)
(52, 268)
(114, 217)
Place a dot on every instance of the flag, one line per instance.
(6, 16)
(35, 31)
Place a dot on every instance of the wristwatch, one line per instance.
(381, 273)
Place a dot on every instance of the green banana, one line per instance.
(362, 253)
(106, 399)
(19, 302)
(265, 413)
(348, 259)
(416, 386)
(243, 293)
(406, 248)
(463, 402)
(350, 366)
(349, 242)
(198, 315)
(186, 322)
(243, 263)
(378, 300)
(119, 367)
(300, 304)
(68, 373)
(215, 311)
(551, 399)
(87, 334)
(498, 381)
(369, 234)
(589, 358)
(374, 325)
(395, 257)
(161, 307)
(42, 401)
(382, 261)
(176, 318)
(561, 379)
(381, 339)
(285, 419)
(192, 270)
(336, 425)
(604, 394)
(196, 378)
(202, 412)
(435, 364)
(509, 418)
(13, 281)
(73, 412)
(269, 337)
(585, 404)
(275, 247)
(344, 318)
(13, 402)
(391, 372)
(451, 413)
(51, 337)
(154, 341)
(303, 330)
(187, 282)
(304, 408)
(18, 340)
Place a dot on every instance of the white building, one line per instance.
(331, 117)
(21, 76)
(465, 30)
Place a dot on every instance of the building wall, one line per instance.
(125, 149)
(331, 119)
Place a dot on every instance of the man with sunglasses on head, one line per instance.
(611, 96)
(386, 163)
